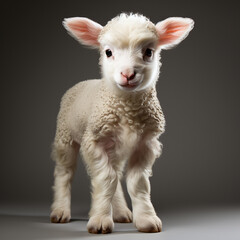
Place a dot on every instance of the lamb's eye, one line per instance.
(108, 53)
(148, 52)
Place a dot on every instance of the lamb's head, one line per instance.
(130, 46)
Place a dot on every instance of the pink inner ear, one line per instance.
(84, 30)
(172, 31)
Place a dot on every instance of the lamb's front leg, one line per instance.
(139, 171)
(121, 212)
(104, 181)
(104, 186)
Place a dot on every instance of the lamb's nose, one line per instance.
(129, 76)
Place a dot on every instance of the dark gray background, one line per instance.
(198, 90)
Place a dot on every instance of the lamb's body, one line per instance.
(115, 121)
(107, 114)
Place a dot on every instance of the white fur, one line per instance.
(115, 121)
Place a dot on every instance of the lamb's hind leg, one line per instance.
(65, 156)
(121, 212)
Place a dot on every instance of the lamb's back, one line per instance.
(75, 109)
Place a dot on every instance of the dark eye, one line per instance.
(148, 52)
(108, 53)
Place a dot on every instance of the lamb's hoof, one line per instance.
(148, 224)
(100, 225)
(122, 216)
(60, 216)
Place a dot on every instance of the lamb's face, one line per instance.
(130, 46)
(129, 54)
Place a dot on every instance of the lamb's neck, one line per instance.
(130, 98)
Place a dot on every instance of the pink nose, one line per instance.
(128, 76)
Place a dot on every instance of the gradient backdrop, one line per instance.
(198, 90)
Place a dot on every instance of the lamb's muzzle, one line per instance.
(115, 121)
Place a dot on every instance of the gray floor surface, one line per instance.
(218, 223)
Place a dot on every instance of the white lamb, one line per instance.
(115, 120)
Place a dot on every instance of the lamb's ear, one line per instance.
(84, 30)
(173, 30)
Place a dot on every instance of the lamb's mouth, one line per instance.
(128, 86)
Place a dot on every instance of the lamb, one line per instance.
(115, 122)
